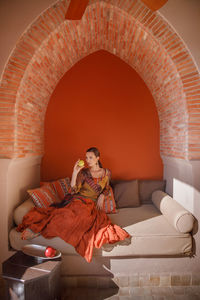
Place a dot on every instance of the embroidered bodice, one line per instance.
(91, 187)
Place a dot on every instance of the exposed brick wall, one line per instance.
(51, 45)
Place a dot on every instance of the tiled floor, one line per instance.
(136, 293)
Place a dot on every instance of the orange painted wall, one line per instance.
(101, 101)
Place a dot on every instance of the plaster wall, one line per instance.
(15, 17)
(16, 176)
(184, 17)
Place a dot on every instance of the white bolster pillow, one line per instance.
(174, 212)
(21, 210)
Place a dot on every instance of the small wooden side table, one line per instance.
(30, 279)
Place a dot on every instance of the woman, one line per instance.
(79, 220)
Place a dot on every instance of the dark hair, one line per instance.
(96, 153)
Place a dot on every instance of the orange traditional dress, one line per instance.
(78, 223)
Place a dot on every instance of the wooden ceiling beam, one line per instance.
(76, 9)
(154, 4)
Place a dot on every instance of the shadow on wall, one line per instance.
(188, 196)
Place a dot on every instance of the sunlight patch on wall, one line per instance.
(186, 195)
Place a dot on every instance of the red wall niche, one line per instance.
(101, 101)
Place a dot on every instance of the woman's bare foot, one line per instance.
(28, 234)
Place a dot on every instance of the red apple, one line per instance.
(50, 252)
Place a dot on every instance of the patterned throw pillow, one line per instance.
(61, 186)
(109, 203)
(43, 196)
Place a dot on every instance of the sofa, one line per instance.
(158, 224)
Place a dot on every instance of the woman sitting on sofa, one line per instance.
(79, 219)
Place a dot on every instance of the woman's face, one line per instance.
(91, 159)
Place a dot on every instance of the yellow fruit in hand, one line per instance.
(81, 163)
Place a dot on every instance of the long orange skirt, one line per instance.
(79, 223)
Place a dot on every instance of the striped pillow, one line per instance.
(61, 186)
(109, 203)
(43, 196)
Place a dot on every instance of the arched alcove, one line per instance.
(102, 101)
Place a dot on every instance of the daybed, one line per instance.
(158, 224)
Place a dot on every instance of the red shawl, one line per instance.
(79, 223)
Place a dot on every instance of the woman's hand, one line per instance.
(100, 201)
(77, 168)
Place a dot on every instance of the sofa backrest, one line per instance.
(126, 193)
(147, 187)
(132, 193)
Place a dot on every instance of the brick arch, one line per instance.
(52, 45)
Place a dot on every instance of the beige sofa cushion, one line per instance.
(152, 235)
(175, 213)
(126, 194)
(21, 210)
